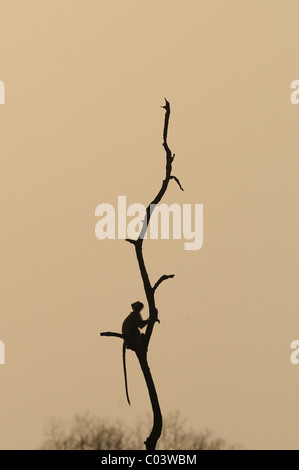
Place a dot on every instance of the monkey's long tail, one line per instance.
(125, 372)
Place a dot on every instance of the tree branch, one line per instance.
(162, 278)
(141, 352)
(141, 349)
(111, 333)
(149, 290)
(177, 181)
(131, 241)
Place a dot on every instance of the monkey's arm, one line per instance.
(146, 322)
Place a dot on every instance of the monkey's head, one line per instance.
(137, 306)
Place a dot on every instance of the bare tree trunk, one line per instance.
(142, 348)
(152, 440)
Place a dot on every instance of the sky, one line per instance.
(81, 125)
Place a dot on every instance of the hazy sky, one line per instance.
(82, 124)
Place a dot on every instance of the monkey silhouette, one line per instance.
(131, 332)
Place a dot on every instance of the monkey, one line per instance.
(131, 334)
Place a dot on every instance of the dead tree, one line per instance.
(142, 347)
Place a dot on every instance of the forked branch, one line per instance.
(150, 290)
(162, 278)
(141, 349)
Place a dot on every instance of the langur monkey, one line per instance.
(132, 335)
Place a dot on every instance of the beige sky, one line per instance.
(81, 125)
